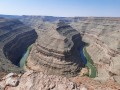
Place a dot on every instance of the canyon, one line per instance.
(15, 37)
(55, 50)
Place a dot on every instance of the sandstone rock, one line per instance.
(84, 71)
(32, 80)
(82, 87)
(91, 84)
(57, 52)
(12, 79)
(39, 81)
(117, 78)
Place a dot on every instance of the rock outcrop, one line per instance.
(12, 79)
(92, 84)
(38, 81)
(57, 51)
(32, 80)
(15, 37)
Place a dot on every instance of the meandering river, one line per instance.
(85, 59)
(25, 56)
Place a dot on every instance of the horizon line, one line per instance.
(52, 15)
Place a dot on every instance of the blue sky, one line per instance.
(65, 8)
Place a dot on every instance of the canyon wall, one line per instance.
(57, 51)
(103, 35)
(15, 37)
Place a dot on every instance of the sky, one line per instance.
(65, 8)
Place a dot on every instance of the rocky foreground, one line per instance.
(32, 80)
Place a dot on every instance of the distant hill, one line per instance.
(9, 16)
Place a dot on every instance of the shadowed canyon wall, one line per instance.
(15, 37)
(14, 49)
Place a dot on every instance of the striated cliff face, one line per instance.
(57, 51)
(103, 36)
(15, 37)
(14, 49)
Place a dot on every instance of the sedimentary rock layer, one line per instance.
(57, 52)
(15, 37)
(103, 35)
